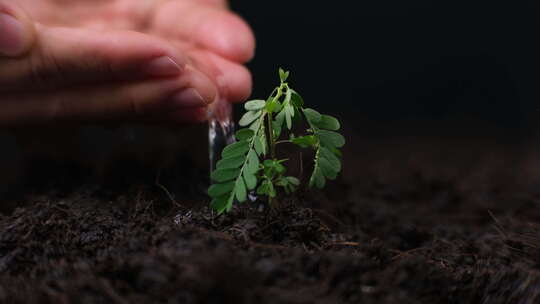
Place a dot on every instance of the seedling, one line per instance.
(251, 163)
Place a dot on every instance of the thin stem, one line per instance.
(271, 137)
(272, 143)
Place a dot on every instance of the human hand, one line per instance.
(157, 61)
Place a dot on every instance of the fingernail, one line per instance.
(161, 67)
(11, 36)
(188, 98)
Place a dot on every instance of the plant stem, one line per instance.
(271, 144)
(271, 137)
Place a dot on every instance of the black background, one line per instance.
(408, 61)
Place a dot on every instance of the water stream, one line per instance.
(220, 130)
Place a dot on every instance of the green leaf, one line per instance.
(288, 116)
(267, 188)
(327, 169)
(297, 114)
(255, 126)
(328, 122)
(220, 204)
(331, 158)
(312, 115)
(278, 123)
(230, 163)
(254, 105)
(249, 117)
(230, 203)
(244, 134)
(296, 99)
(282, 182)
(317, 179)
(264, 144)
(293, 180)
(240, 190)
(280, 168)
(331, 139)
(253, 162)
(283, 75)
(269, 163)
(280, 118)
(290, 108)
(263, 188)
(224, 175)
(305, 141)
(288, 95)
(271, 190)
(277, 129)
(235, 149)
(250, 179)
(272, 106)
(217, 190)
(258, 145)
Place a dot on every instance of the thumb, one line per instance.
(16, 30)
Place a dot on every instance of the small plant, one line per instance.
(251, 163)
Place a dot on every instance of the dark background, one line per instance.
(442, 73)
(413, 62)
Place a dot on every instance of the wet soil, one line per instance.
(413, 219)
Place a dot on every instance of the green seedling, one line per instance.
(251, 163)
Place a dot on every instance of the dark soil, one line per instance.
(419, 219)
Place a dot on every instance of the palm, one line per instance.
(118, 14)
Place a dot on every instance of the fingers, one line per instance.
(210, 27)
(181, 99)
(63, 57)
(16, 30)
(234, 80)
(215, 3)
